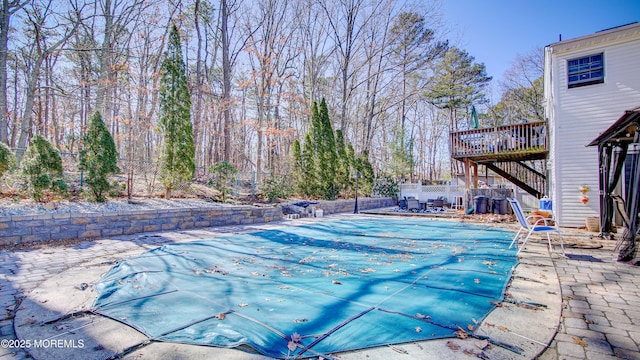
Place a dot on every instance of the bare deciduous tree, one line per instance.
(45, 24)
(7, 9)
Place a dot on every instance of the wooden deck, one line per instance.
(519, 142)
(505, 150)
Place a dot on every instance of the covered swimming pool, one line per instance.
(315, 289)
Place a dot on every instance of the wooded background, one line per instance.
(394, 84)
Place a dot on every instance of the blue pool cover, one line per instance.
(315, 289)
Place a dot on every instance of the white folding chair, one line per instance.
(540, 226)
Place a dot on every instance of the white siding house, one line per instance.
(588, 83)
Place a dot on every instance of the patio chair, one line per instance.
(539, 226)
(413, 203)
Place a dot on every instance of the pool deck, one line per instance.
(591, 304)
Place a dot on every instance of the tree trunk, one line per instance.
(197, 111)
(25, 126)
(102, 103)
(4, 53)
(226, 81)
(8, 9)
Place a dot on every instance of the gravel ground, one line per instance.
(9, 206)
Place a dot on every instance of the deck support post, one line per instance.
(467, 173)
(475, 175)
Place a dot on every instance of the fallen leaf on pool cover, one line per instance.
(470, 327)
(367, 270)
(221, 316)
(418, 329)
(336, 282)
(293, 343)
(292, 346)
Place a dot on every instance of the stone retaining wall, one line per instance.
(51, 227)
(341, 206)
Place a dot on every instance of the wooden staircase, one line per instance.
(512, 151)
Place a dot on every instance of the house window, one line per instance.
(586, 70)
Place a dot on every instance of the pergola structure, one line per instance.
(614, 146)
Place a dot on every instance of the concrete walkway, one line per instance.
(599, 296)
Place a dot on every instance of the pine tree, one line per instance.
(178, 151)
(41, 168)
(459, 82)
(99, 157)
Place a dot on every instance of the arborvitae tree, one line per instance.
(178, 152)
(309, 183)
(366, 174)
(99, 157)
(343, 170)
(327, 157)
(7, 159)
(297, 168)
(41, 168)
(315, 128)
(323, 172)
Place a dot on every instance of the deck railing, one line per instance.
(505, 139)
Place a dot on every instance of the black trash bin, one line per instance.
(481, 204)
(500, 206)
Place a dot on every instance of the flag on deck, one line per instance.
(473, 123)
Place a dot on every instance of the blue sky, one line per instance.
(495, 31)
